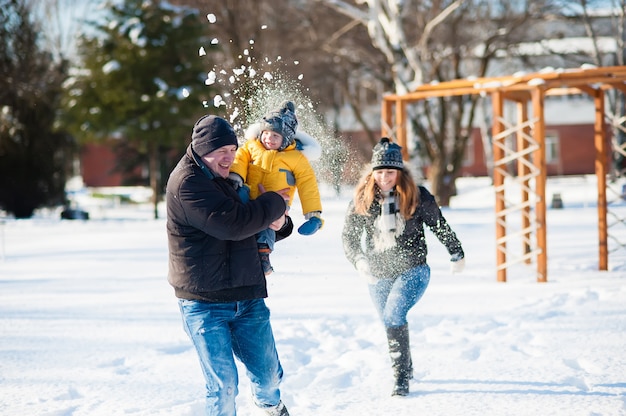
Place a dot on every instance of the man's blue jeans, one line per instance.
(219, 330)
(393, 298)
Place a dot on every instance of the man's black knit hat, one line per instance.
(210, 133)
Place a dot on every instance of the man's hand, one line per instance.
(278, 224)
(283, 192)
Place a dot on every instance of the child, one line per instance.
(276, 156)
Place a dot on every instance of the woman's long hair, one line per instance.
(366, 192)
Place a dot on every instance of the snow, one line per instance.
(89, 325)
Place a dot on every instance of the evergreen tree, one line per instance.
(141, 79)
(32, 152)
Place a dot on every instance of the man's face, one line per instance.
(220, 159)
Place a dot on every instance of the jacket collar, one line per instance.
(198, 160)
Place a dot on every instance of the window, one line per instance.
(552, 147)
(468, 157)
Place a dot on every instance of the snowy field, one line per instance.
(89, 325)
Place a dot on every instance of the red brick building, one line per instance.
(98, 163)
(569, 151)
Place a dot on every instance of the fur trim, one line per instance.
(307, 144)
(252, 132)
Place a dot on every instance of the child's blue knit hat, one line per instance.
(282, 121)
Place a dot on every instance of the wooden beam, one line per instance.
(601, 172)
(401, 128)
(498, 182)
(523, 171)
(386, 116)
(540, 185)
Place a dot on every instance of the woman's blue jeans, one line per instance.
(393, 298)
(219, 330)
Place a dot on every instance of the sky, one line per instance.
(90, 326)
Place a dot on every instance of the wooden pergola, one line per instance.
(527, 150)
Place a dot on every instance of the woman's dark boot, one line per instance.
(400, 353)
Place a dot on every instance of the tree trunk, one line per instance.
(154, 175)
(441, 181)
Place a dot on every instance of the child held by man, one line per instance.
(277, 156)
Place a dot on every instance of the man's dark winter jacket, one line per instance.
(410, 249)
(213, 254)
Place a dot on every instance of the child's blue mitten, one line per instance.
(312, 224)
(242, 189)
(244, 193)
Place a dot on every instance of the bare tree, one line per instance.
(606, 33)
(440, 41)
(330, 58)
(309, 39)
(62, 22)
(354, 50)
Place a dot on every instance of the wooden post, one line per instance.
(601, 172)
(401, 124)
(522, 171)
(385, 113)
(538, 95)
(497, 99)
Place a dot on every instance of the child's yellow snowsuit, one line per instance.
(277, 170)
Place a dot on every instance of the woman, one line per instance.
(391, 211)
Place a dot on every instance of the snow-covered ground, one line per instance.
(89, 325)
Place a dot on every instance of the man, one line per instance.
(215, 270)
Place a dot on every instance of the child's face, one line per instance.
(271, 140)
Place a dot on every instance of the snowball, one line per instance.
(218, 101)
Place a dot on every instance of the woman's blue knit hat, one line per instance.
(387, 155)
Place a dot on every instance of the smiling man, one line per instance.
(215, 270)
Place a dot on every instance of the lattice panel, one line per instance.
(523, 157)
(616, 222)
